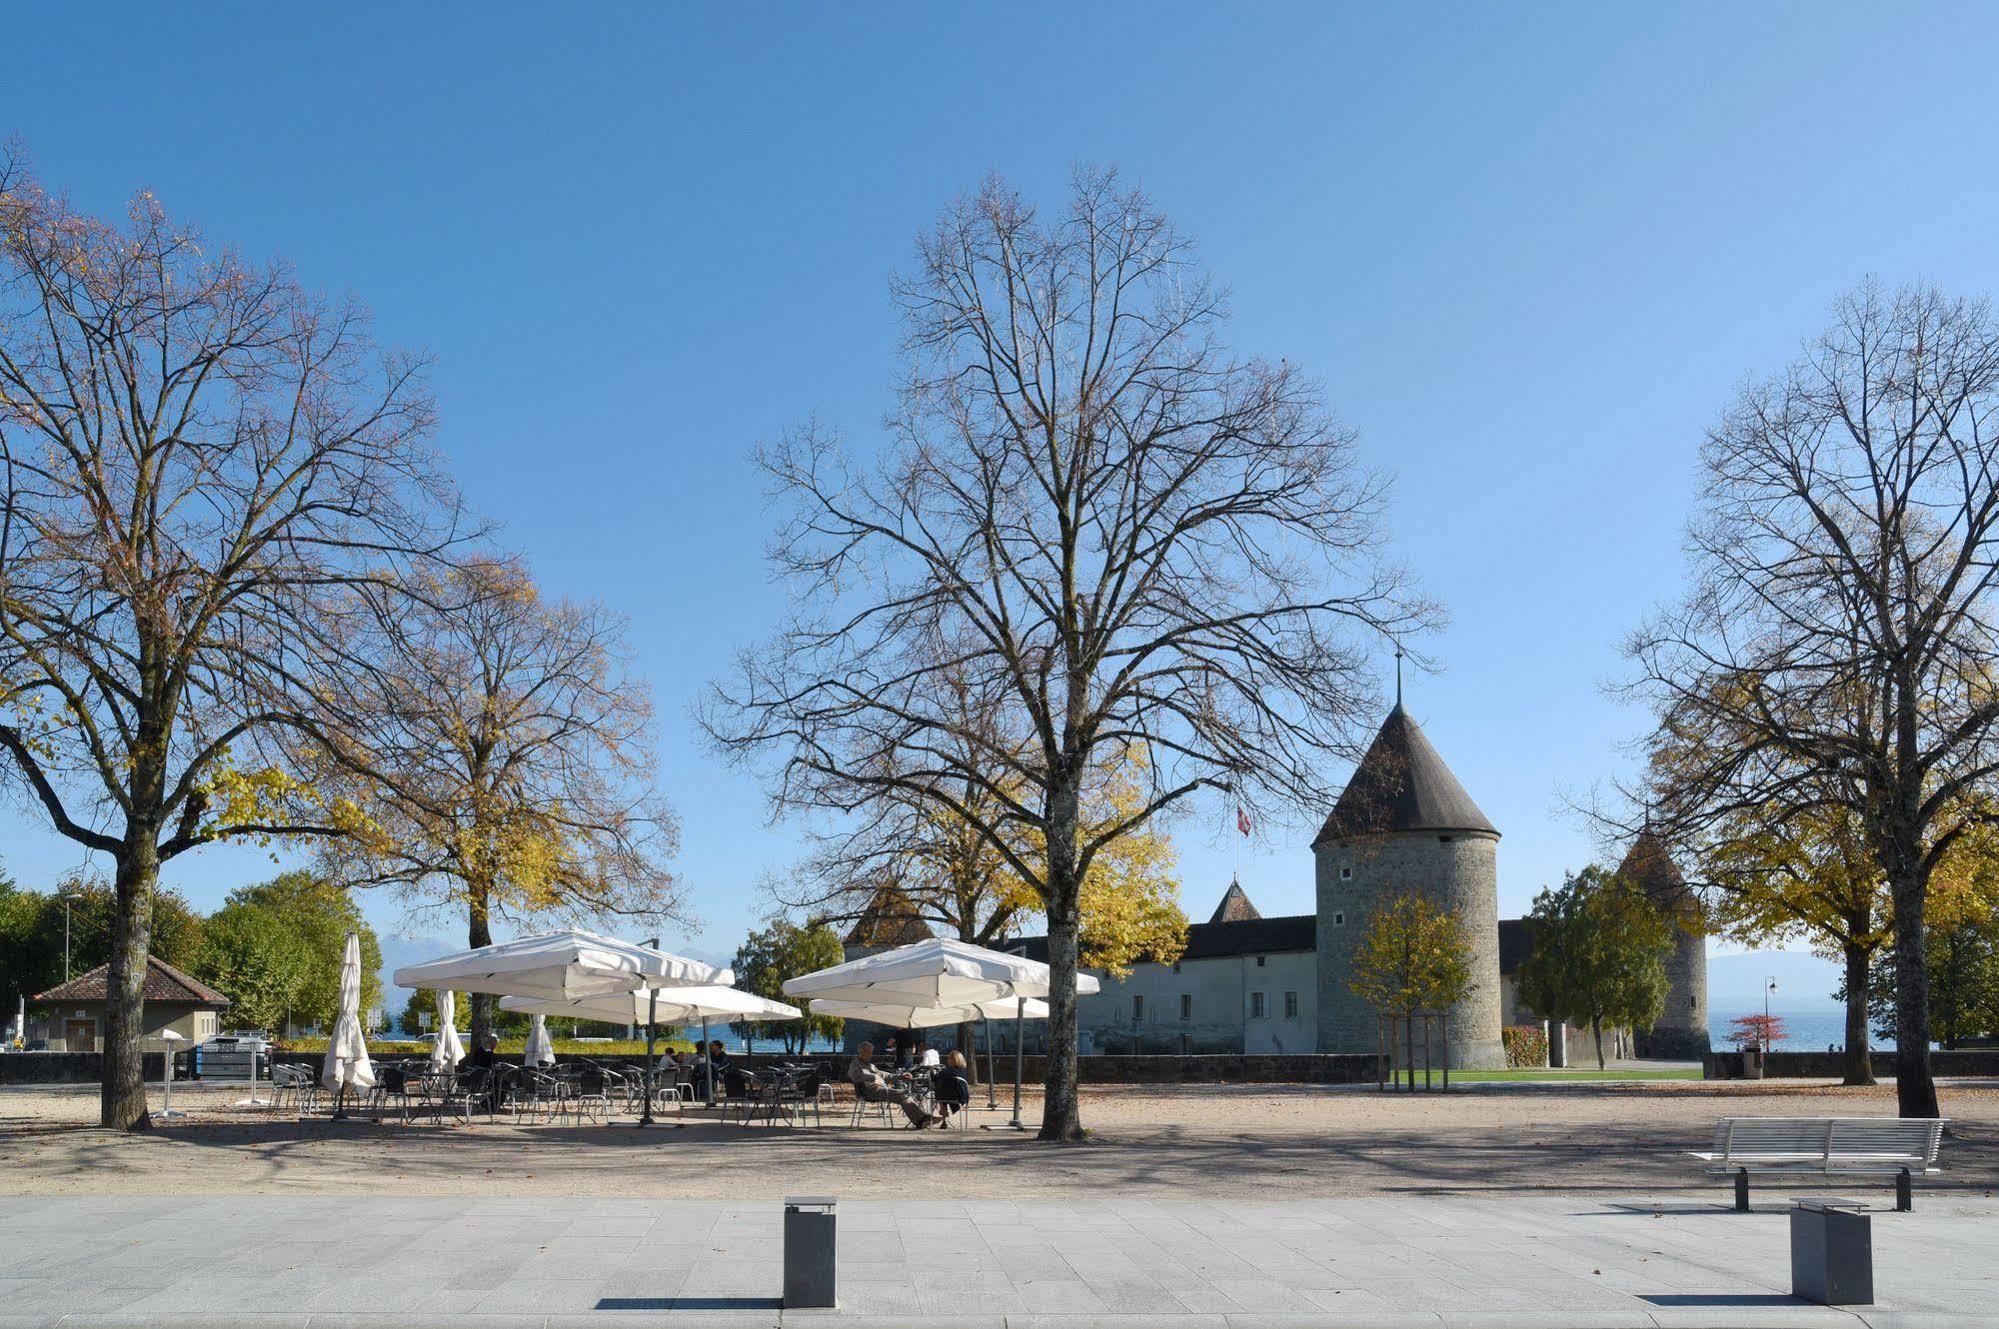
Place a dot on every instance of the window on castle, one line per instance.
(1290, 1005)
(1186, 1005)
(1346, 874)
(1137, 1007)
(1259, 962)
(1256, 1005)
(1339, 919)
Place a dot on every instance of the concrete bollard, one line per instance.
(1832, 1253)
(810, 1252)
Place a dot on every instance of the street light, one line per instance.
(1769, 986)
(68, 898)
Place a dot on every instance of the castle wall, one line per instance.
(1205, 1006)
(1459, 872)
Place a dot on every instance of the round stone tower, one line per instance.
(1680, 1034)
(1404, 825)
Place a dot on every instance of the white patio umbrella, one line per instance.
(346, 1048)
(559, 965)
(664, 1006)
(540, 1051)
(672, 1006)
(904, 1016)
(938, 973)
(447, 1051)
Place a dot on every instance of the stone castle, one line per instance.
(1404, 823)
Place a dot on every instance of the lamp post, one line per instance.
(68, 898)
(1769, 986)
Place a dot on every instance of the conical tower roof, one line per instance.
(1648, 866)
(1402, 785)
(1235, 906)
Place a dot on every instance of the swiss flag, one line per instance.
(1242, 822)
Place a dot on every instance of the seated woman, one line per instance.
(948, 1083)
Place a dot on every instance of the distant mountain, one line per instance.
(398, 952)
(1804, 982)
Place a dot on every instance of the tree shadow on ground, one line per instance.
(707, 1158)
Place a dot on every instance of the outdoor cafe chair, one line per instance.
(591, 1095)
(538, 1094)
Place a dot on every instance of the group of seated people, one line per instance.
(950, 1090)
(697, 1058)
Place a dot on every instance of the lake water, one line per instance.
(1812, 1030)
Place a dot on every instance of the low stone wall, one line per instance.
(77, 1067)
(1946, 1062)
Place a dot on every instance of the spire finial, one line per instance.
(1398, 675)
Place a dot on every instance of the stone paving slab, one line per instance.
(1473, 1262)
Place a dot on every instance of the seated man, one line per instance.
(486, 1057)
(927, 1056)
(870, 1085)
(948, 1083)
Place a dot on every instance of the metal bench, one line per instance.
(1824, 1146)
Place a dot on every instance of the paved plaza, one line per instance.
(383, 1260)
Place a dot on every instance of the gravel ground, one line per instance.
(1244, 1142)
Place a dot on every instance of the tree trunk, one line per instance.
(122, 1100)
(1915, 1086)
(1596, 1028)
(1061, 1112)
(1859, 1058)
(479, 933)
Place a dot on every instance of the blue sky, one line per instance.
(1528, 251)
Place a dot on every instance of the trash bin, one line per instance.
(1752, 1063)
(810, 1254)
(1832, 1253)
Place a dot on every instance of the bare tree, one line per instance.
(1091, 507)
(1836, 651)
(916, 854)
(500, 762)
(199, 465)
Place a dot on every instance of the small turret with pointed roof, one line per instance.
(1235, 906)
(1681, 1029)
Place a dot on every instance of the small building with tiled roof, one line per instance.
(177, 1001)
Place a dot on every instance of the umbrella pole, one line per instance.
(708, 1060)
(645, 1079)
(1019, 1059)
(992, 1089)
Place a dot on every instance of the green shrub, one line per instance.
(391, 1048)
(1526, 1045)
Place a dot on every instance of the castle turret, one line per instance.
(1404, 825)
(1681, 1030)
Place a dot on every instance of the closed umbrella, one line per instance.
(540, 1052)
(346, 1049)
(447, 1051)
